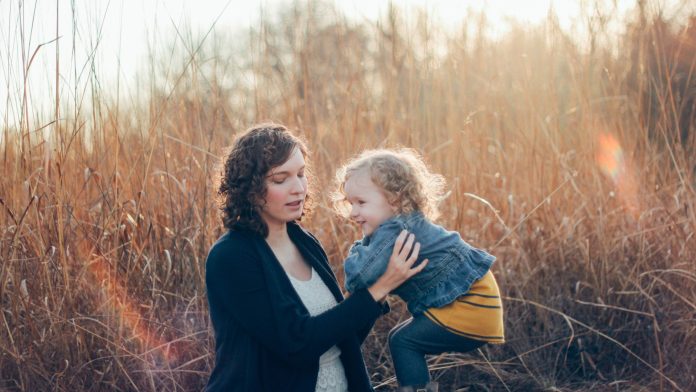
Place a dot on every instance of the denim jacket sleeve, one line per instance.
(368, 258)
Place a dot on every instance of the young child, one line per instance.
(455, 301)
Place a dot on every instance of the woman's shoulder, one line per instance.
(232, 238)
(298, 231)
(304, 237)
(231, 243)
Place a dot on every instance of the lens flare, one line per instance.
(128, 312)
(610, 157)
(612, 162)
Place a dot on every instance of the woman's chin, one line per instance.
(295, 216)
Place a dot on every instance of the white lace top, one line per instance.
(317, 299)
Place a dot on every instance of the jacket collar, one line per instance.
(410, 218)
(405, 221)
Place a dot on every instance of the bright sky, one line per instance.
(123, 29)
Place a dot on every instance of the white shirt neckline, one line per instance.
(311, 276)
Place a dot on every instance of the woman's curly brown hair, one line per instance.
(405, 179)
(242, 180)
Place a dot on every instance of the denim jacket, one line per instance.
(453, 264)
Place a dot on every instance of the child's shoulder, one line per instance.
(393, 224)
(413, 222)
(406, 221)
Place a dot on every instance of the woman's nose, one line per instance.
(299, 186)
(353, 211)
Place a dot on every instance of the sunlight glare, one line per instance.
(611, 161)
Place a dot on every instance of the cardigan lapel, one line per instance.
(314, 256)
(311, 252)
(278, 280)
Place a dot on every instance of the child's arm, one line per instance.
(367, 261)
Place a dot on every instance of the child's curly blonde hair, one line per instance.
(402, 175)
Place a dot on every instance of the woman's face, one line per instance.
(286, 189)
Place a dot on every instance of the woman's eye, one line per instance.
(278, 180)
(300, 174)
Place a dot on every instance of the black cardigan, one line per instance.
(265, 339)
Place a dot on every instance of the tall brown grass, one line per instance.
(104, 230)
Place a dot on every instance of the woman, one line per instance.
(280, 320)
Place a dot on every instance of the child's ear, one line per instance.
(394, 207)
(392, 200)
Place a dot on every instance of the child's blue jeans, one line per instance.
(411, 340)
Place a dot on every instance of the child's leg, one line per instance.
(411, 340)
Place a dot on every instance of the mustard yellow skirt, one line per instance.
(478, 314)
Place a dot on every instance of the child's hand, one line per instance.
(399, 268)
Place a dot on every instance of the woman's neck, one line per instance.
(277, 234)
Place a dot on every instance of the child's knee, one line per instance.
(394, 337)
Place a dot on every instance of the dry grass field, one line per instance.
(572, 163)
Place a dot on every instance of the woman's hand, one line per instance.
(399, 268)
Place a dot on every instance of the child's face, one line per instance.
(369, 206)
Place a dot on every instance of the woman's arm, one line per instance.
(238, 288)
